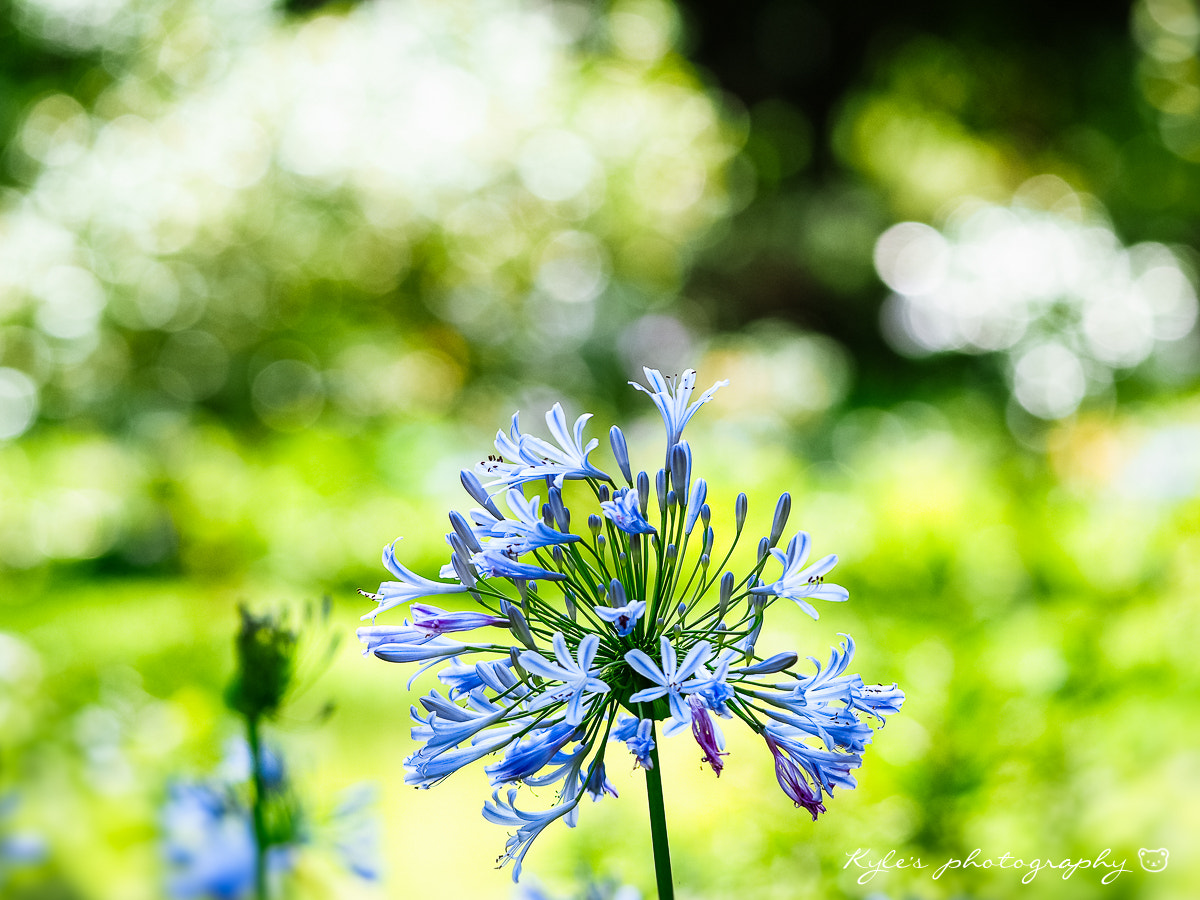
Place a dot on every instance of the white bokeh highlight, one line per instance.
(1051, 288)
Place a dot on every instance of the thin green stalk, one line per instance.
(257, 806)
(658, 825)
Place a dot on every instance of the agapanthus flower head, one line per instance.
(582, 641)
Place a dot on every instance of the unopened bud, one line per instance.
(740, 507)
(475, 488)
(562, 515)
(699, 492)
(518, 625)
(643, 492)
(776, 663)
(616, 594)
(463, 569)
(681, 470)
(782, 509)
(463, 530)
(616, 439)
(726, 593)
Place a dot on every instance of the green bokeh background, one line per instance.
(270, 276)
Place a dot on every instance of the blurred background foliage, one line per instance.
(271, 274)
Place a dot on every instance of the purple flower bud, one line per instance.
(463, 530)
(776, 663)
(562, 515)
(782, 509)
(681, 470)
(643, 492)
(616, 439)
(475, 488)
(699, 492)
(726, 593)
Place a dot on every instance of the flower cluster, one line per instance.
(583, 639)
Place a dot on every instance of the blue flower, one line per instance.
(525, 533)
(621, 618)
(463, 678)
(410, 586)
(438, 621)
(636, 733)
(671, 398)
(797, 582)
(577, 677)
(624, 618)
(596, 784)
(525, 458)
(529, 754)
(811, 704)
(623, 512)
(671, 680)
(407, 643)
(826, 769)
(528, 824)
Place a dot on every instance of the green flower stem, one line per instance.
(258, 804)
(658, 825)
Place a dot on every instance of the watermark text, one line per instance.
(870, 864)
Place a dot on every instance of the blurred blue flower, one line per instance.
(209, 844)
(208, 832)
(17, 848)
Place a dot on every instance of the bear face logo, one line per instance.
(1153, 860)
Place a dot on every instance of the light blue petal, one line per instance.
(644, 665)
(645, 696)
